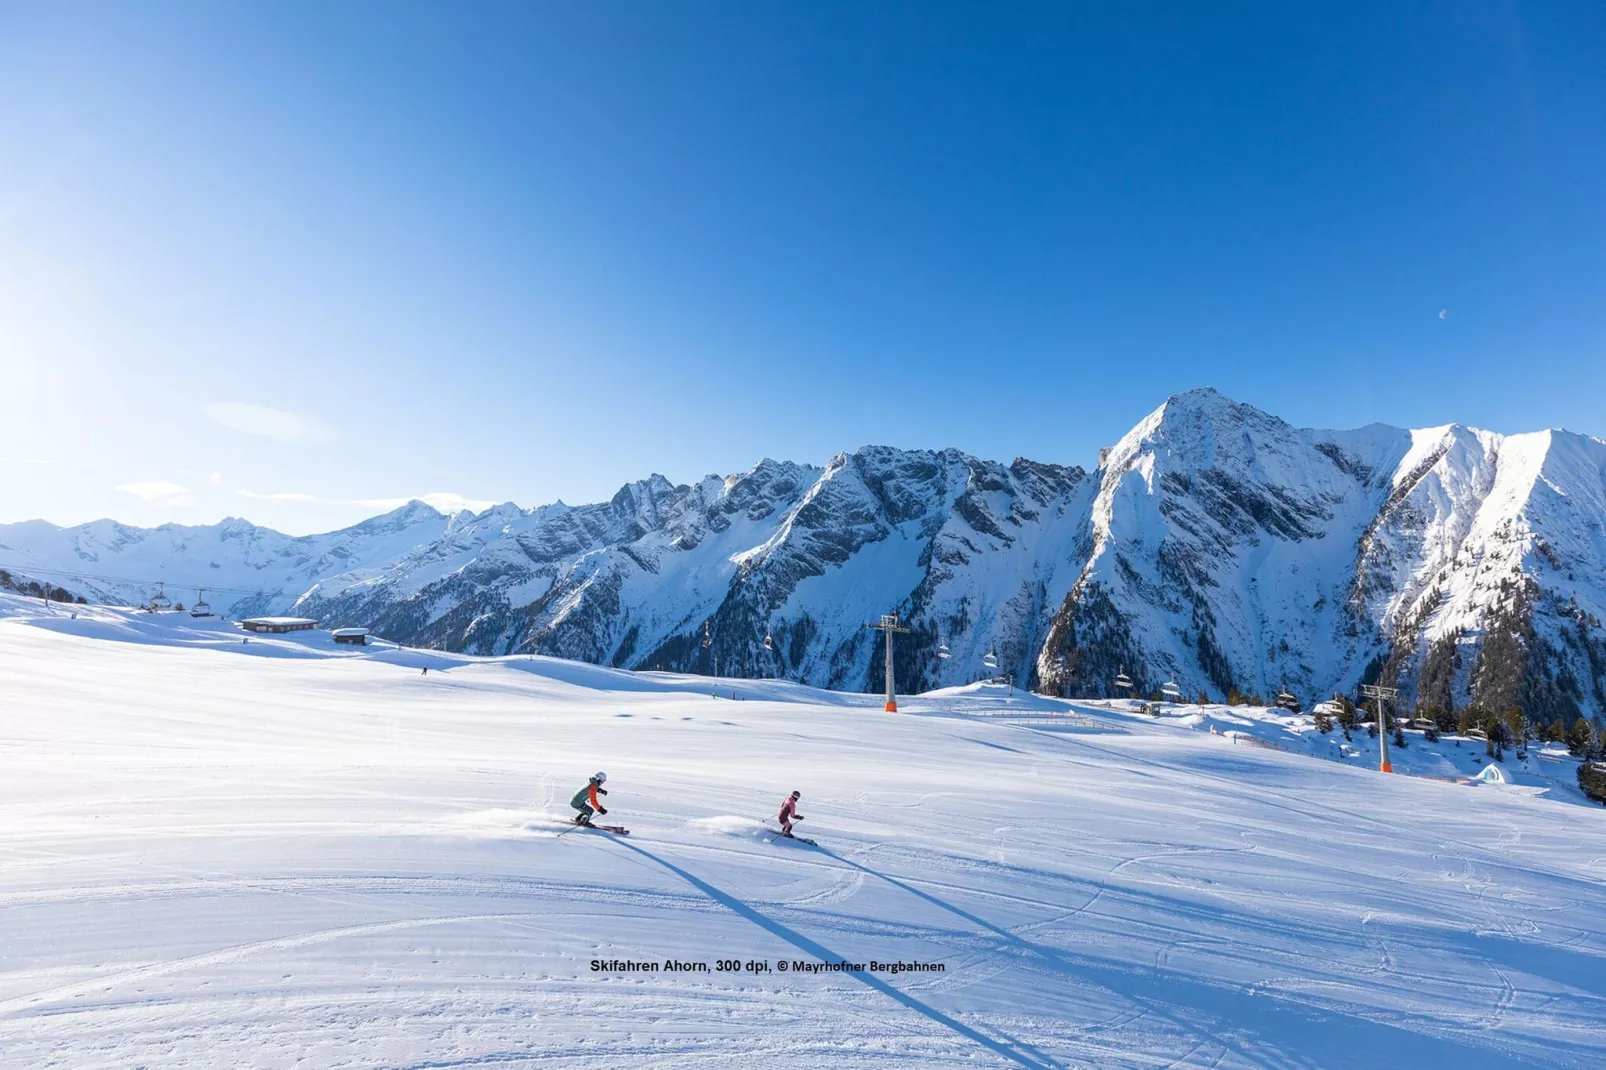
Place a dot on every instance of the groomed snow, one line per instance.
(285, 853)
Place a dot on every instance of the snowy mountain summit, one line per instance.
(1216, 546)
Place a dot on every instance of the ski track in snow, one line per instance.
(210, 858)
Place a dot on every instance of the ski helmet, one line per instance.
(797, 795)
(600, 777)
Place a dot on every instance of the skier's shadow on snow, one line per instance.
(1424, 1050)
(1047, 954)
(1009, 1051)
(934, 901)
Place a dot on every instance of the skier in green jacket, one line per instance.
(585, 800)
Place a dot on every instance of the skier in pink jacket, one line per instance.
(789, 813)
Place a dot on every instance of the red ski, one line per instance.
(617, 830)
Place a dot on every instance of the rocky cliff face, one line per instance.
(1229, 549)
(773, 572)
(1216, 546)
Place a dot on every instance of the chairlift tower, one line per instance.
(890, 626)
(1381, 693)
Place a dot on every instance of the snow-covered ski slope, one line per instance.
(277, 853)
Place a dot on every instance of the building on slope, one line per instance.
(278, 625)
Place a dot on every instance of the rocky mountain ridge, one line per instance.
(1216, 546)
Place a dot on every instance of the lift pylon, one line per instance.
(890, 626)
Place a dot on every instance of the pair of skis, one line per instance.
(617, 830)
(620, 830)
(777, 836)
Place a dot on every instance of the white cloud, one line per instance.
(156, 491)
(215, 478)
(444, 501)
(1444, 313)
(282, 496)
(267, 422)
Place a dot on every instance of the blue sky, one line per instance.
(293, 262)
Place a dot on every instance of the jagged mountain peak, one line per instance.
(1205, 424)
(411, 512)
(1174, 417)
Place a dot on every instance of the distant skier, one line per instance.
(585, 800)
(789, 813)
(426, 671)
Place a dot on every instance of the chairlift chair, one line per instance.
(1170, 691)
(990, 659)
(161, 601)
(1123, 682)
(199, 608)
(942, 651)
(769, 640)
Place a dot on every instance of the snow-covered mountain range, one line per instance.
(1215, 545)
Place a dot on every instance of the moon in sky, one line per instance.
(1444, 313)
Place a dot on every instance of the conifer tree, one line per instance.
(1516, 725)
(1446, 719)
(1592, 780)
(1578, 739)
(1499, 734)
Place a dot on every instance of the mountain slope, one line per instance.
(257, 569)
(1217, 546)
(800, 556)
(1223, 541)
(1230, 549)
